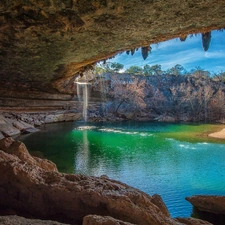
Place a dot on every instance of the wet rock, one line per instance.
(24, 127)
(157, 200)
(102, 220)
(33, 186)
(7, 129)
(211, 204)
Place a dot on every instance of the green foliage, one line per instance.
(108, 67)
(156, 70)
(116, 67)
(147, 70)
(99, 70)
(134, 70)
(176, 70)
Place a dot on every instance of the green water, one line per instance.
(173, 160)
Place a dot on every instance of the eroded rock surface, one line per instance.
(18, 220)
(33, 186)
(44, 42)
(193, 221)
(211, 204)
(102, 220)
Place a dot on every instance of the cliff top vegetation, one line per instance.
(156, 70)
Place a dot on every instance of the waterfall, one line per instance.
(82, 95)
(85, 101)
(103, 91)
(78, 92)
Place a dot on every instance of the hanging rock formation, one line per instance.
(43, 43)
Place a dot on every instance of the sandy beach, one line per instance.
(219, 134)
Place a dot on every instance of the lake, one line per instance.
(172, 160)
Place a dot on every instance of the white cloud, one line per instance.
(189, 54)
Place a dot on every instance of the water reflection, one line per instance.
(145, 155)
(82, 155)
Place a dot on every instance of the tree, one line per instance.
(108, 67)
(134, 70)
(131, 93)
(99, 70)
(176, 70)
(147, 70)
(116, 67)
(156, 70)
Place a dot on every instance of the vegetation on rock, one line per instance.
(149, 93)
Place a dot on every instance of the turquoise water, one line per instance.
(172, 160)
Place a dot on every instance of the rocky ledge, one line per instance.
(210, 208)
(32, 187)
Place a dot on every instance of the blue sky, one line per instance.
(189, 54)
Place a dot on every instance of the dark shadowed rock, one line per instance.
(1, 136)
(33, 186)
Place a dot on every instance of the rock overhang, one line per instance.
(44, 43)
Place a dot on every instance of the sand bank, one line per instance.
(219, 134)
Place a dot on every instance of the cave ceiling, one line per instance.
(43, 42)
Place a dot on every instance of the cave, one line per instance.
(45, 46)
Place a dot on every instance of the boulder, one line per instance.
(17, 220)
(211, 204)
(102, 220)
(192, 221)
(7, 129)
(1, 135)
(19, 150)
(24, 127)
(35, 187)
(72, 116)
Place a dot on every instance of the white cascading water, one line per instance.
(82, 95)
(85, 101)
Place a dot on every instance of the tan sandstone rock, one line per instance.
(102, 220)
(18, 220)
(34, 187)
(212, 204)
(193, 221)
(7, 129)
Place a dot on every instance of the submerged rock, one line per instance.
(35, 187)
